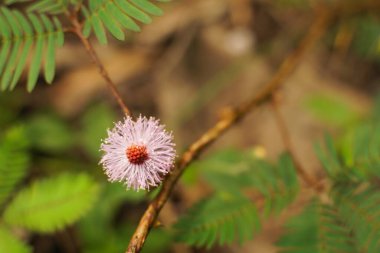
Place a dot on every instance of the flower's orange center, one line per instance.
(136, 154)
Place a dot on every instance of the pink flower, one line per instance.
(138, 153)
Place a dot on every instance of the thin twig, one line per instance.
(285, 135)
(286, 68)
(77, 29)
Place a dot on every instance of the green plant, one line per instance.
(29, 38)
(46, 205)
(230, 212)
(39, 29)
(347, 221)
(342, 216)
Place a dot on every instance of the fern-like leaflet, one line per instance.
(219, 218)
(278, 184)
(46, 6)
(40, 31)
(229, 213)
(360, 211)
(115, 15)
(356, 157)
(319, 228)
(351, 220)
(19, 34)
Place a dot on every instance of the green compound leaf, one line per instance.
(111, 25)
(115, 15)
(9, 243)
(233, 170)
(24, 36)
(50, 204)
(50, 51)
(357, 157)
(360, 211)
(222, 218)
(49, 6)
(16, 32)
(319, 228)
(328, 156)
(360, 150)
(53, 7)
(147, 7)
(26, 47)
(277, 183)
(38, 51)
(228, 214)
(133, 12)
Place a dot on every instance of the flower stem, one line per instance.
(102, 70)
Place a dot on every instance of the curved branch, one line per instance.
(262, 96)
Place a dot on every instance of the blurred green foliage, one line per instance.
(356, 153)
(347, 222)
(64, 153)
(9, 243)
(229, 214)
(14, 160)
(366, 41)
(50, 204)
(93, 128)
(103, 217)
(332, 110)
(319, 228)
(221, 218)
